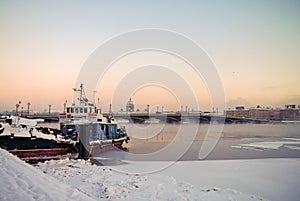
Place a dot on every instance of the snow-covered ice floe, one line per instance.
(290, 143)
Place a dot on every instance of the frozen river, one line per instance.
(232, 141)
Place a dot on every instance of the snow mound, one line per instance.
(80, 180)
(102, 182)
(21, 181)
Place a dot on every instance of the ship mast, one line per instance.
(82, 97)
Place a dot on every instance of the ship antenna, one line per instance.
(81, 97)
(81, 90)
(94, 101)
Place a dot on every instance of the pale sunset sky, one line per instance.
(255, 46)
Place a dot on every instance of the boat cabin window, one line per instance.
(112, 128)
(85, 110)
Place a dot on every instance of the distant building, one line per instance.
(130, 106)
(264, 113)
(240, 108)
(290, 106)
(289, 113)
(238, 112)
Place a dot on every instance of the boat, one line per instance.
(83, 120)
(21, 137)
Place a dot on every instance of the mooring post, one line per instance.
(83, 130)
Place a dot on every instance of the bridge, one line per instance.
(168, 117)
(178, 117)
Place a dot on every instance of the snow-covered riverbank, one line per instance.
(100, 182)
(80, 180)
(21, 181)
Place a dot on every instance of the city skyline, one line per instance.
(254, 45)
(26, 108)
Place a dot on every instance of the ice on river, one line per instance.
(209, 180)
(290, 143)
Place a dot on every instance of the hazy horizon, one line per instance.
(255, 46)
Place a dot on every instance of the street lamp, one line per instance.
(28, 108)
(65, 104)
(17, 107)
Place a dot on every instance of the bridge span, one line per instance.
(177, 117)
(170, 117)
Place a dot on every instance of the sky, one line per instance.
(255, 46)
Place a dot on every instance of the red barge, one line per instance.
(20, 137)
